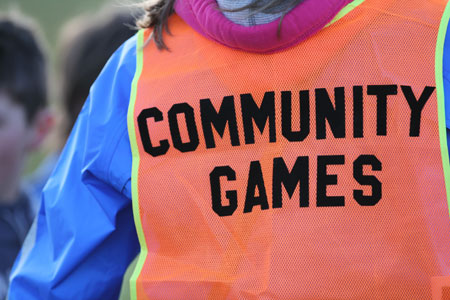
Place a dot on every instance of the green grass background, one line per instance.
(52, 14)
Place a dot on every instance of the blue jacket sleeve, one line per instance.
(84, 237)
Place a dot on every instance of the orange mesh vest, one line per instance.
(311, 173)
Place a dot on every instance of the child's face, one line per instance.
(14, 144)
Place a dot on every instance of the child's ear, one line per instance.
(42, 124)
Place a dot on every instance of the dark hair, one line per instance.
(87, 42)
(157, 14)
(23, 73)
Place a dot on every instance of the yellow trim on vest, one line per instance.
(135, 164)
(348, 8)
(125, 288)
(441, 98)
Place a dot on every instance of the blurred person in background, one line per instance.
(86, 42)
(24, 122)
(337, 90)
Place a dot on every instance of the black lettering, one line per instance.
(251, 112)
(188, 111)
(381, 91)
(255, 181)
(374, 198)
(286, 116)
(157, 115)
(226, 114)
(298, 176)
(324, 179)
(214, 178)
(326, 112)
(416, 106)
(358, 119)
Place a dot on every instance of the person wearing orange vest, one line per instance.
(297, 159)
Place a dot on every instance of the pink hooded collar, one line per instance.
(301, 22)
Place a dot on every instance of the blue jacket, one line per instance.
(84, 229)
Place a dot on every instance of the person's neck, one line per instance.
(10, 198)
(9, 192)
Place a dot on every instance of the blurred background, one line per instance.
(52, 14)
(59, 22)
